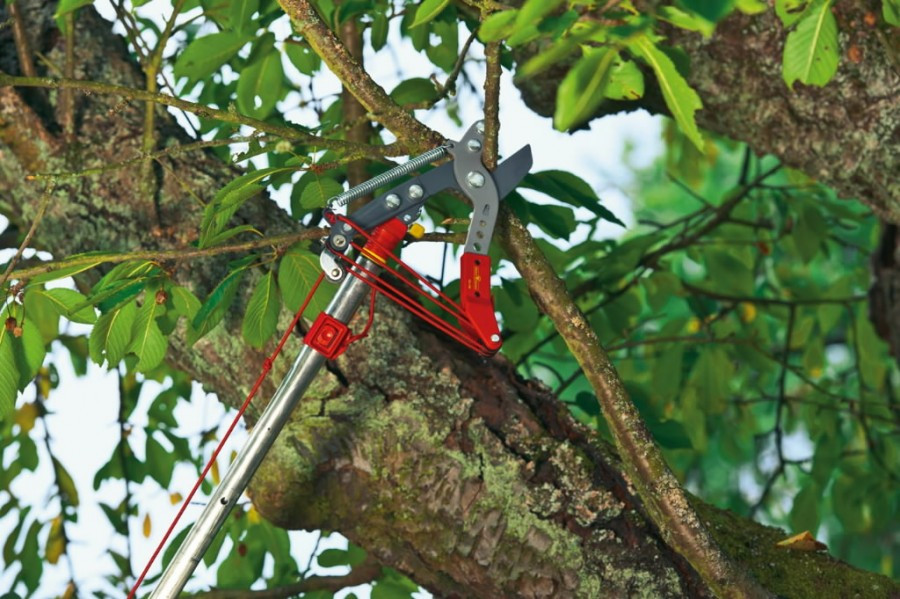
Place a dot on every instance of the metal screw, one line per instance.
(495, 338)
(339, 241)
(347, 227)
(392, 200)
(335, 273)
(479, 126)
(416, 192)
(407, 218)
(475, 179)
(474, 145)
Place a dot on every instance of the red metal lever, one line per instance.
(477, 301)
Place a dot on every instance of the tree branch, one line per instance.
(226, 116)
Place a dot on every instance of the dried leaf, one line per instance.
(802, 542)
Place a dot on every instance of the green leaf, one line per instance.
(65, 270)
(259, 87)
(890, 9)
(213, 309)
(297, 272)
(711, 10)
(790, 10)
(671, 434)
(498, 25)
(379, 31)
(9, 375)
(66, 300)
(805, 511)
(241, 13)
(205, 55)
(219, 211)
(66, 6)
(428, 10)
(414, 91)
(112, 334)
(261, 315)
(42, 311)
(533, 11)
(304, 58)
(556, 221)
(66, 484)
(318, 191)
(811, 51)
(809, 232)
(681, 99)
(571, 189)
(185, 302)
(625, 82)
(148, 343)
(160, 462)
(329, 558)
(30, 352)
(582, 89)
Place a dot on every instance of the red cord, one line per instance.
(266, 367)
(377, 284)
(392, 292)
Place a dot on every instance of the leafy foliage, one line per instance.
(737, 317)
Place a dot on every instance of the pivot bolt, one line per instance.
(479, 126)
(475, 179)
(339, 241)
(392, 200)
(335, 273)
(416, 192)
(474, 145)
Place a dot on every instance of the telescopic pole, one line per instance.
(305, 368)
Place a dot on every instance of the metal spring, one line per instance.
(377, 181)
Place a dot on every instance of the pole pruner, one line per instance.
(373, 234)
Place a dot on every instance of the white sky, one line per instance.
(83, 421)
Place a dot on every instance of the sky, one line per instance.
(83, 421)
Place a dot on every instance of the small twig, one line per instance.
(226, 116)
(176, 255)
(26, 64)
(34, 225)
(67, 96)
(123, 459)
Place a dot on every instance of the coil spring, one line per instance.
(374, 183)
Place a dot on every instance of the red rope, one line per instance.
(266, 367)
(442, 301)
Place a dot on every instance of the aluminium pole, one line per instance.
(305, 368)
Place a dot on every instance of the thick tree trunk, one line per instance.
(846, 134)
(441, 463)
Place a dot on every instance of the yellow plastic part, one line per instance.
(416, 231)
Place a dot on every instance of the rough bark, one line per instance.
(444, 465)
(846, 134)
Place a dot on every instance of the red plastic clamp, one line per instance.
(328, 336)
(477, 302)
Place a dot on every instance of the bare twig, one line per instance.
(34, 225)
(26, 64)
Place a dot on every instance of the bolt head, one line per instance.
(347, 228)
(339, 241)
(416, 192)
(392, 200)
(495, 338)
(407, 218)
(475, 179)
(474, 145)
(335, 273)
(479, 126)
